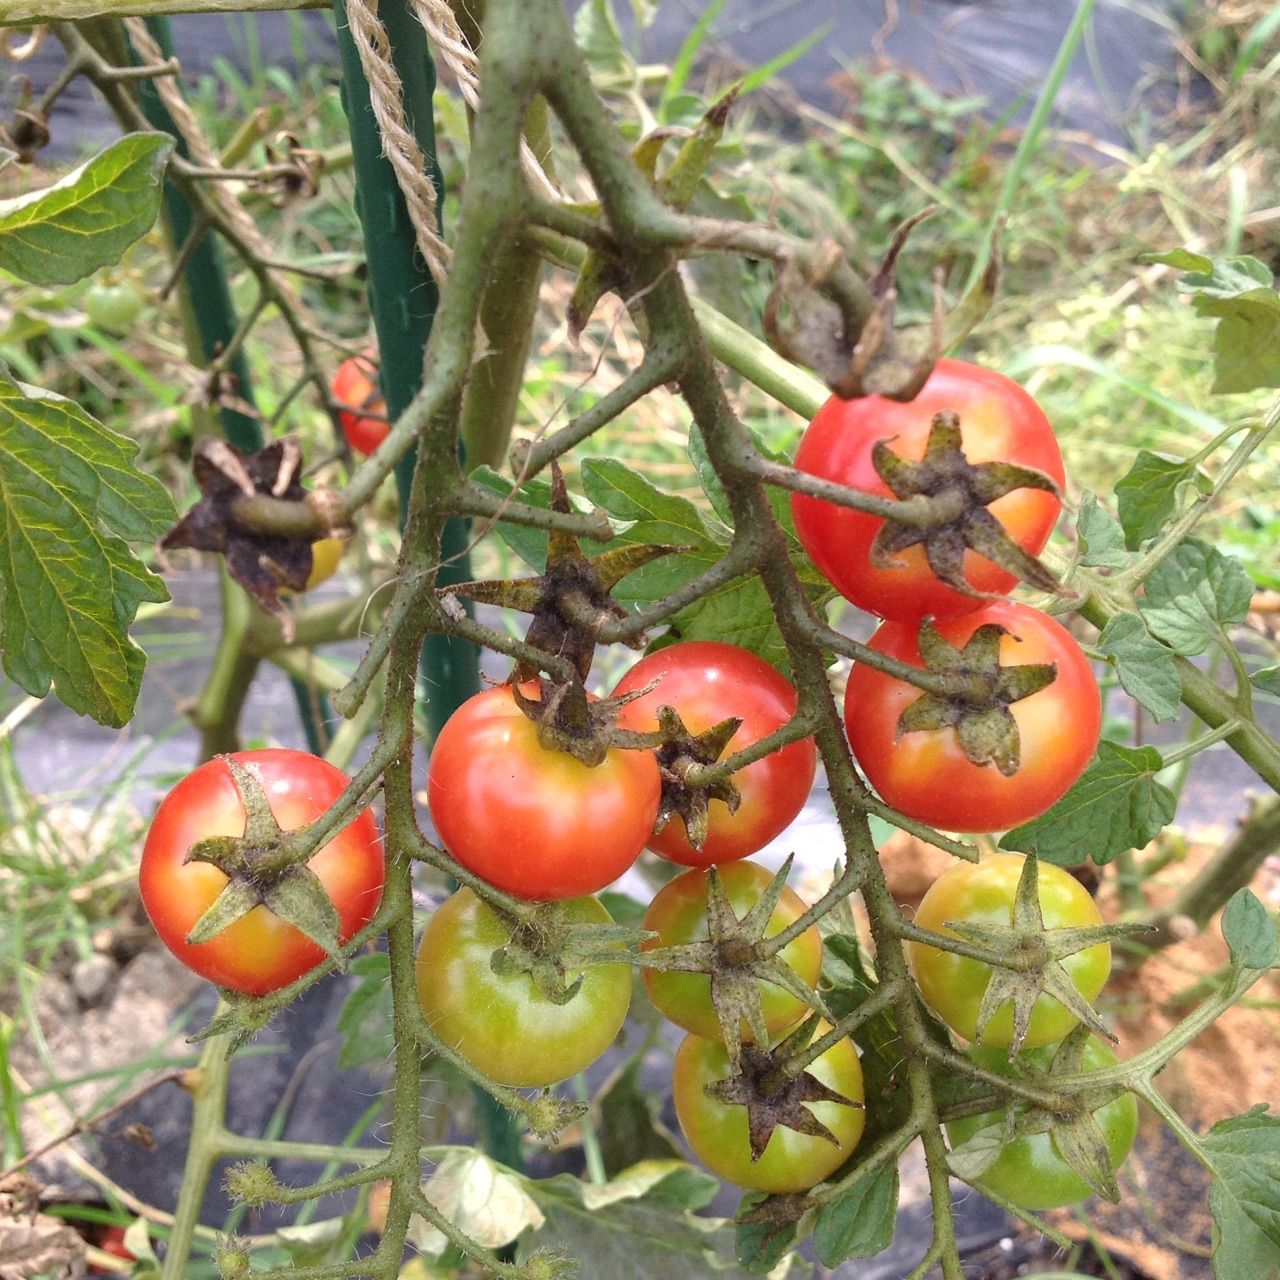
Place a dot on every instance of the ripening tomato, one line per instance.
(926, 774)
(326, 555)
(501, 1023)
(259, 953)
(1029, 1172)
(356, 386)
(792, 1161)
(707, 682)
(531, 820)
(999, 422)
(984, 893)
(678, 915)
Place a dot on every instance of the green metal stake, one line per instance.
(403, 298)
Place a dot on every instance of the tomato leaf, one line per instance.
(87, 219)
(1144, 666)
(70, 497)
(627, 1130)
(861, 1222)
(314, 1242)
(365, 1019)
(1101, 535)
(1244, 1198)
(485, 1199)
(1115, 805)
(1193, 594)
(1267, 679)
(1147, 495)
(1250, 932)
(761, 1242)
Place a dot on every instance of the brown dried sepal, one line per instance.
(568, 720)
(681, 751)
(262, 563)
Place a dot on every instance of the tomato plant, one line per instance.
(502, 1022)
(1029, 1171)
(259, 953)
(530, 819)
(112, 307)
(999, 422)
(678, 914)
(355, 385)
(983, 893)
(791, 1161)
(927, 774)
(707, 682)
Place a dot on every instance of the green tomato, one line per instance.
(503, 1024)
(983, 893)
(113, 307)
(1029, 1172)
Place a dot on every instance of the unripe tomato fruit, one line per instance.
(792, 1161)
(502, 1023)
(112, 307)
(708, 681)
(926, 774)
(999, 422)
(678, 914)
(259, 953)
(984, 893)
(356, 386)
(531, 820)
(1029, 1172)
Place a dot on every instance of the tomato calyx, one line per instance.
(1030, 959)
(979, 692)
(264, 867)
(680, 754)
(773, 1095)
(949, 497)
(571, 601)
(569, 721)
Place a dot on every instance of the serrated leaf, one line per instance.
(1244, 1154)
(861, 1222)
(1147, 495)
(70, 496)
(1101, 535)
(658, 516)
(1194, 593)
(485, 1199)
(1250, 932)
(1115, 805)
(364, 1021)
(1145, 667)
(89, 218)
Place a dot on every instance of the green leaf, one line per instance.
(90, 217)
(315, 1242)
(641, 1225)
(1115, 805)
(1147, 495)
(1267, 679)
(658, 516)
(365, 1019)
(70, 496)
(1145, 667)
(762, 1244)
(595, 27)
(1101, 535)
(627, 1131)
(1250, 932)
(485, 1199)
(1193, 594)
(861, 1222)
(1244, 1153)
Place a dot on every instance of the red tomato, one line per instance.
(792, 1161)
(536, 822)
(926, 775)
(356, 385)
(678, 915)
(999, 422)
(259, 953)
(503, 1024)
(707, 682)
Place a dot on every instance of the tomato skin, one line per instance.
(259, 953)
(999, 421)
(926, 775)
(983, 893)
(326, 555)
(536, 822)
(678, 914)
(356, 384)
(113, 307)
(707, 681)
(503, 1024)
(1029, 1172)
(791, 1162)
